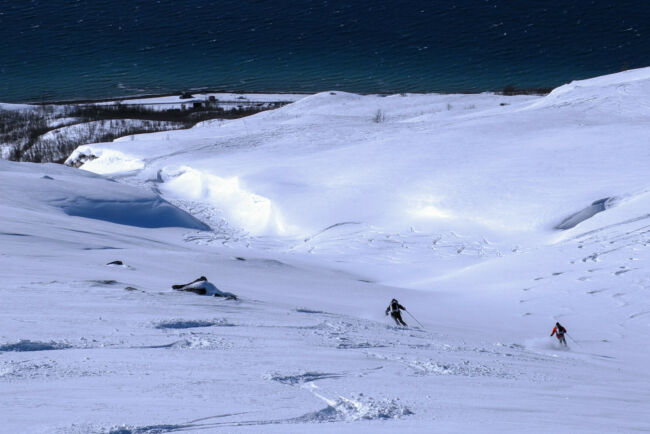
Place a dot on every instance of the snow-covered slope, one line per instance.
(432, 158)
(507, 169)
(319, 214)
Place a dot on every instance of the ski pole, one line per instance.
(416, 320)
(571, 337)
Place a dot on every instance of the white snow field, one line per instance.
(488, 217)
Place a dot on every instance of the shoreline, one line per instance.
(153, 95)
(506, 90)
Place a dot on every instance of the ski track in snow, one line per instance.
(376, 348)
(371, 351)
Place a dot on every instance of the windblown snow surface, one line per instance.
(316, 215)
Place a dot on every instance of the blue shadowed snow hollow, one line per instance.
(56, 49)
(145, 213)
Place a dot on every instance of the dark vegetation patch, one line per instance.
(151, 429)
(27, 345)
(184, 324)
(104, 282)
(189, 324)
(305, 310)
(511, 89)
(22, 132)
(303, 378)
(187, 116)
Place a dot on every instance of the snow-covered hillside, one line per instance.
(316, 215)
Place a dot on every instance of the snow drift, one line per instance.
(87, 195)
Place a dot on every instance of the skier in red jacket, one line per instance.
(559, 332)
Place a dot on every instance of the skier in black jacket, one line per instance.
(394, 309)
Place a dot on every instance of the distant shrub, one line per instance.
(379, 117)
(509, 90)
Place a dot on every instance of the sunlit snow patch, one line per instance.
(425, 207)
(431, 212)
(103, 161)
(252, 212)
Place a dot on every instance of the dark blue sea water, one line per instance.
(55, 49)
